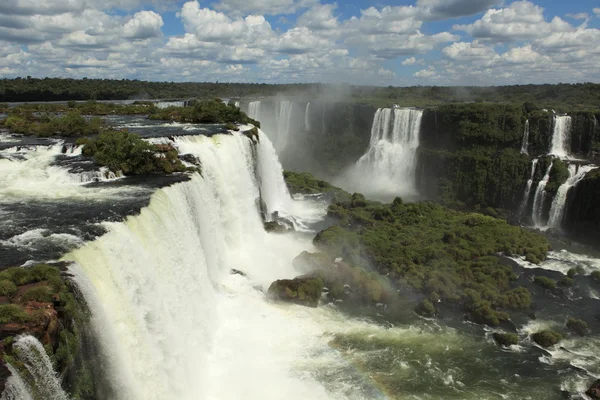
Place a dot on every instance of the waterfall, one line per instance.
(172, 320)
(557, 211)
(165, 104)
(31, 353)
(525, 144)
(307, 117)
(254, 110)
(560, 136)
(237, 104)
(283, 118)
(387, 169)
(538, 199)
(528, 188)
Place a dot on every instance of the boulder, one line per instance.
(303, 290)
(594, 390)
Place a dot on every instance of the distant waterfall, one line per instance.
(557, 212)
(528, 188)
(307, 117)
(525, 144)
(387, 169)
(538, 199)
(254, 110)
(31, 353)
(560, 136)
(237, 104)
(283, 117)
(165, 104)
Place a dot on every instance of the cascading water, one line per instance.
(538, 199)
(525, 144)
(31, 353)
(166, 104)
(307, 117)
(173, 321)
(237, 104)
(528, 188)
(254, 110)
(283, 117)
(560, 136)
(387, 169)
(557, 211)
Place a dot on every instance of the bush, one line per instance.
(545, 282)
(571, 273)
(12, 313)
(546, 338)
(205, 112)
(578, 326)
(506, 339)
(7, 288)
(566, 282)
(425, 308)
(130, 154)
(39, 293)
(595, 275)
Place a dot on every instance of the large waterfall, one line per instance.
(540, 196)
(560, 136)
(173, 320)
(525, 144)
(557, 211)
(387, 169)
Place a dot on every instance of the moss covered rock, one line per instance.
(546, 338)
(305, 291)
(505, 339)
(578, 326)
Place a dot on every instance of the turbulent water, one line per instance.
(173, 322)
(560, 136)
(387, 169)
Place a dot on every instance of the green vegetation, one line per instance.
(545, 282)
(578, 326)
(305, 183)
(425, 308)
(302, 290)
(205, 112)
(445, 254)
(506, 339)
(595, 275)
(547, 338)
(69, 124)
(581, 96)
(559, 173)
(130, 154)
(90, 107)
(12, 313)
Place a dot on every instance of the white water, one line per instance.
(562, 261)
(538, 199)
(557, 211)
(15, 388)
(387, 169)
(174, 323)
(560, 136)
(528, 188)
(307, 117)
(30, 173)
(47, 385)
(254, 110)
(237, 104)
(525, 144)
(283, 118)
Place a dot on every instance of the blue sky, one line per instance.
(401, 43)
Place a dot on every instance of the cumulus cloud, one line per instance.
(522, 20)
(468, 51)
(143, 25)
(264, 7)
(426, 73)
(578, 15)
(597, 11)
(444, 9)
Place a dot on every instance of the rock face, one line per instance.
(304, 290)
(594, 390)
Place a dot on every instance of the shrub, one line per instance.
(566, 282)
(545, 282)
(12, 313)
(7, 288)
(595, 275)
(506, 339)
(546, 338)
(425, 308)
(571, 273)
(39, 293)
(578, 326)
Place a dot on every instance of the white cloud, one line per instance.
(409, 61)
(319, 17)
(522, 20)
(597, 12)
(264, 7)
(578, 15)
(468, 51)
(426, 73)
(444, 9)
(143, 25)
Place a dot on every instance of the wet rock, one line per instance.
(236, 272)
(190, 158)
(594, 390)
(303, 290)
